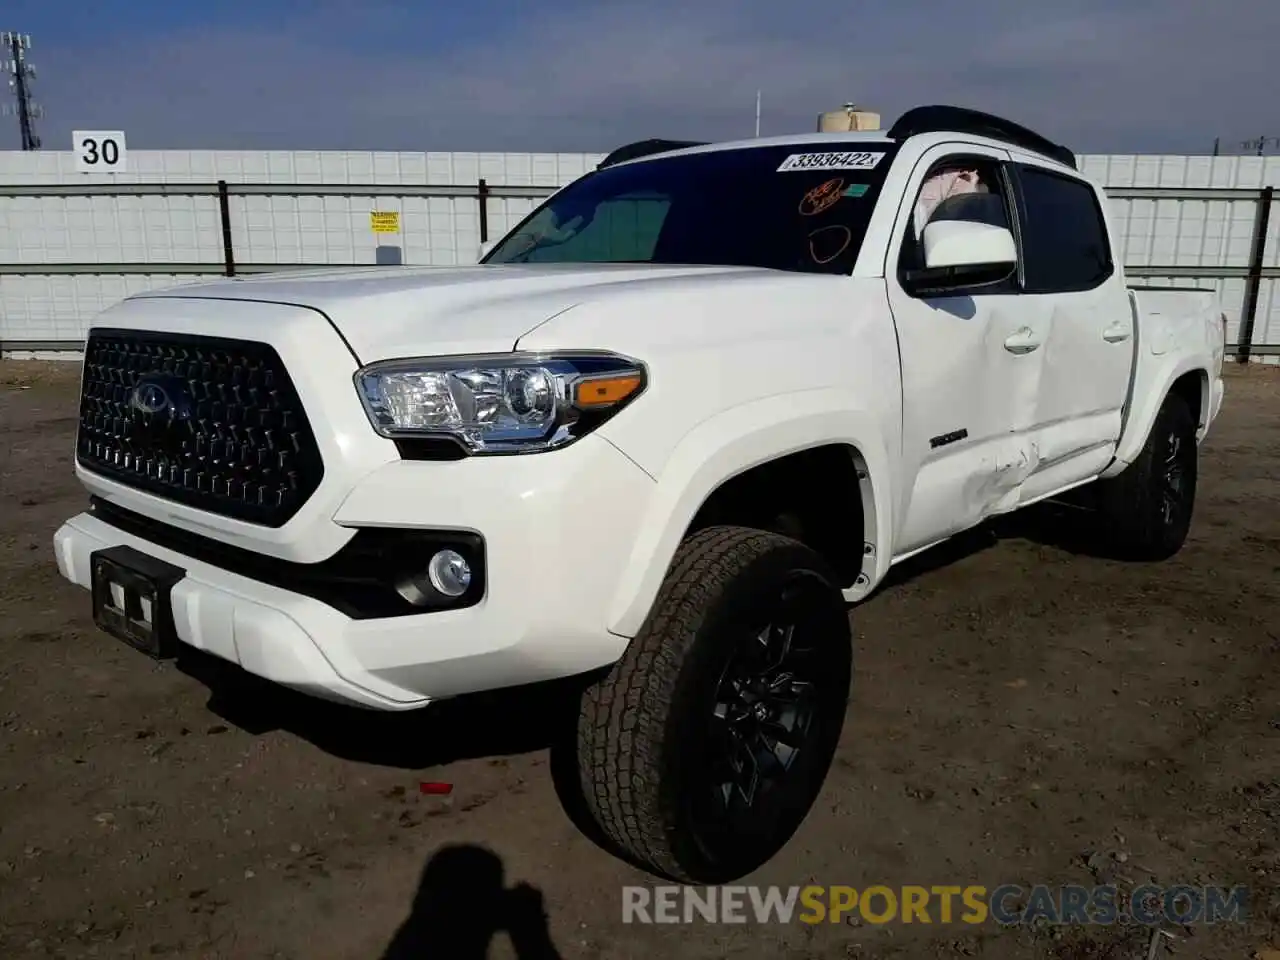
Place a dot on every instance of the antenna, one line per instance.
(22, 73)
(757, 113)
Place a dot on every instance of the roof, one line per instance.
(940, 118)
(934, 119)
(791, 139)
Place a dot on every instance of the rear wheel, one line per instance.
(1146, 511)
(705, 746)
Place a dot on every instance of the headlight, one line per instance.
(512, 403)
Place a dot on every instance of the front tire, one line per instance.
(704, 748)
(1146, 510)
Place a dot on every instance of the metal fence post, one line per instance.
(1253, 283)
(224, 213)
(482, 194)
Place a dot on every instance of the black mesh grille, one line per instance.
(211, 423)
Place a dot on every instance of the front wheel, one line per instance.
(705, 746)
(1146, 510)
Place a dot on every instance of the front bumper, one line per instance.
(558, 530)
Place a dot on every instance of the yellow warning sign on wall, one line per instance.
(386, 222)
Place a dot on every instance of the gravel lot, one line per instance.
(1019, 705)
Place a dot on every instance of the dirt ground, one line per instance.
(1023, 713)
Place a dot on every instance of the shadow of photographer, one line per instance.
(462, 903)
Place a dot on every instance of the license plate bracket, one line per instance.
(131, 599)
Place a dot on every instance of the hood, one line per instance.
(390, 312)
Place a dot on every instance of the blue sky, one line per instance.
(1143, 76)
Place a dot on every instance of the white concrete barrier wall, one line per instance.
(445, 230)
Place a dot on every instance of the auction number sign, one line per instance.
(99, 151)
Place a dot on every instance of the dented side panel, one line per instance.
(968, 381)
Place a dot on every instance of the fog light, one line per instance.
(449, 573)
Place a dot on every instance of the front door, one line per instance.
(970, 366)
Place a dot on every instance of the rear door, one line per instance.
(1073, 291)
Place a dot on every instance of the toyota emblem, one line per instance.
(149, 398)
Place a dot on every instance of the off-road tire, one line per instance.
(640, 726)
(1134, 516)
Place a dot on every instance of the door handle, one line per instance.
(1022, 341)
(1116, 333)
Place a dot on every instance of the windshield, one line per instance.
(798, 207)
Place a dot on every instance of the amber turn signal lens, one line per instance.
(605, 391)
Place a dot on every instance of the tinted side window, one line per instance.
(1064, 239)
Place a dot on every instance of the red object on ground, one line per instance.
(436, 789)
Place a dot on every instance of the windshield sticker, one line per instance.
(821, 197)
(830, 161)
(827, 243)
(857, 189)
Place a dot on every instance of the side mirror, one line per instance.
(485, 247)
(959, 254)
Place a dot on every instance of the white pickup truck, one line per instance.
(678, 418)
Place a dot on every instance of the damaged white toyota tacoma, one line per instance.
(657, 439)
